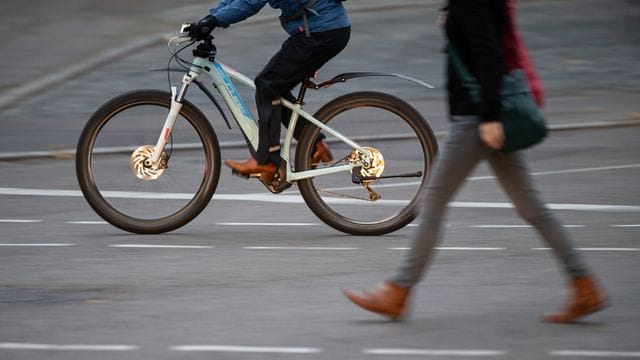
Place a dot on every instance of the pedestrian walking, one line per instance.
(485, 35)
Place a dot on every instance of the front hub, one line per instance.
(143, 168)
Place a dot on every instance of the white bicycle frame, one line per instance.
(221, 75)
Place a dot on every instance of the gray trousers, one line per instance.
(462, 151)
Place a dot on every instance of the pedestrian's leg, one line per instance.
(513, 175)
(585, 295)
(462, 151)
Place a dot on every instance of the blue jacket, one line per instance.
(332, 14)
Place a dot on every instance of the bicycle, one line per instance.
(148, 161)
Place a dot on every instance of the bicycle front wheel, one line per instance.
(125, 189)
(400, 150)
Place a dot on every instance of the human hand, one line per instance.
(492, 134)
(201, 29)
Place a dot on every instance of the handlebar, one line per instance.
(206, 48)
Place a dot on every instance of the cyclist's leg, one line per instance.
(280, 75)
(324, 46)
(298, 57)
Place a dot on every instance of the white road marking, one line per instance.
(576, 207)
(37, 245)
(598, 249)
(516, 226)
(434, 352)
(247, 349)
(39, 192)
(297, 199)
(148, 246)
(19, 221)
(626, 225)
(567, 171)
(500, 226)
(88, 222)
(264, 224)
(464, 248)
(491, 177)
(78, 347)
(590, 169)
(588, 353)
(298, 248)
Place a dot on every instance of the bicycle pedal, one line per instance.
(278, 184)
(239, 174)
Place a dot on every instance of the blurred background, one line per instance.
(62, 59)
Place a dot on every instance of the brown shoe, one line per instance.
(321, 154)
(586, 298)
(387, 299)
(251, 167)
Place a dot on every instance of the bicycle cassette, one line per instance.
(372, 162)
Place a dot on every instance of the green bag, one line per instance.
(522, 122)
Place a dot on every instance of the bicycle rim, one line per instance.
(397, 136)
(127, 193)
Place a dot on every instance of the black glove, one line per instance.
(202, 28)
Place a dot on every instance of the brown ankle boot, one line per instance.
(250, 167)
(387, 299)
(321, 154)
(586, 298)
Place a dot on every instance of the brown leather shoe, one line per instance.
(321, 154)
(586, 298)
(251, 167)
(388, 299)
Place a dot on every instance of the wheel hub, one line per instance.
(372, 161)
(142, 166)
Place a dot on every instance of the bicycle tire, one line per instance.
(139, 216)
(385, 107)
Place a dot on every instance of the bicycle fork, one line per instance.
(174, 111)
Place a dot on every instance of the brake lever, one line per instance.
(184, 28)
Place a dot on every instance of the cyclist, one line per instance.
(319, 30)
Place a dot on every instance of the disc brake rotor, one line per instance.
(141, 166)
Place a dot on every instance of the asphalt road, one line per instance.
(253, 277)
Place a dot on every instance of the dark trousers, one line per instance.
(299, 57)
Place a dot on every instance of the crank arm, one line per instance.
(407, 175)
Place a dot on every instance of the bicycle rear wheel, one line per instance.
(402, 147)
(132, 195)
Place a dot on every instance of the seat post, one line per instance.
(306, 84)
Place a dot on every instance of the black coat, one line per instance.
(475, 28)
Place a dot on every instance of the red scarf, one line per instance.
(517, 56)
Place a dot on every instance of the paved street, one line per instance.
(256, 276)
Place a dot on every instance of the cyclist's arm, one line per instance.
(229, 12)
